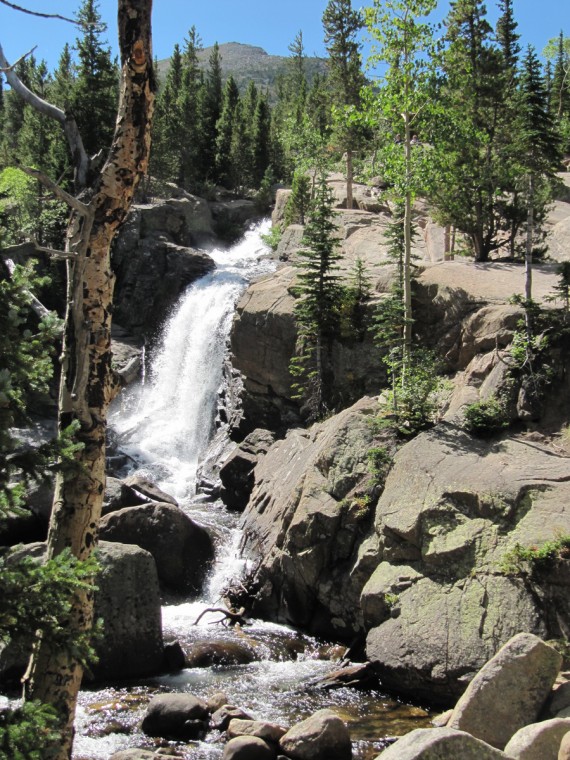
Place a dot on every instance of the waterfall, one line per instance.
(165, 425)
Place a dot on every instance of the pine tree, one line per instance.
(470, 141)
(13, 117)
(341, 25)
(94, 99)
(299, 201)
(211, 110)
(190, 111)
(261, 140)
(60, 94)
(317, 311)
(224, 129)
(538, 155)
(165, 162)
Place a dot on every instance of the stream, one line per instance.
(165, 425)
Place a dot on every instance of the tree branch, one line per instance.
(20, 59)
(37, 13)
(67, 121)
(58, 191)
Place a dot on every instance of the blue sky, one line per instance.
(271, 25)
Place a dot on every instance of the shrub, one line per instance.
(486, 417)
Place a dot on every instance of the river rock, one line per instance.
(134, 754)
(269, 732)
(440, 744)
(248, 748)
(321, 736)
(142, 487)
(558, 700)
(222, 717)
(538, 741)
(309, 511)
(208, 653)
(181, 548)
(509, 691)
(176, 716)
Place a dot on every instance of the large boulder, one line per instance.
(509, 691)
(176, 716)
(308, 513)
(440, 744)
(538, 741)
(182, 549)
(237, 472)
(437, 605)
(128, 602)
(248, 748)
(321, 736)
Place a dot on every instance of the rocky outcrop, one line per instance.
(451, 509)
(310, 510)
(156, 255)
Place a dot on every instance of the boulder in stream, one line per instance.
(440, 744)
(248, 748)
(176, 716)
(321, 736)
(182, 549)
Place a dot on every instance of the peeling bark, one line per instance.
(88, 383)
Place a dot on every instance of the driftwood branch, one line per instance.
(67, 122)
(37, 306)
(231, 617)
(58, 191)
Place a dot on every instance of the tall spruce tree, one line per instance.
(539, 157)
(190, 100)
(317, 312)
(341, 25)
(225, 130)
(95, 94)
(165, 162)
(211, 111)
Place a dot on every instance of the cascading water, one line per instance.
(165, 426)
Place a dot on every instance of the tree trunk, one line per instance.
(528, 257)
(88, 384)
(349, 178)
(407, 241)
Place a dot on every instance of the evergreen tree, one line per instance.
(189, 112)
(474, 167)
(507, 36)
(341, 25)
(299, 201)
(60, 94)
(224, 129)
(558, 51)
(261, 140)
(317, 312)
(165, 162)
(95, 95)
(13, 117)
(539, 157)
(211, 111)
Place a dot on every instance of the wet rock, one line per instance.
(182, 549)
(206, 654)
(134, 754)
(558, 700)
(176, 716)
(269, 732)
(538, 741)
(174, 658)
(216, 701)
(440, 744)
(145, 488)
(509, 691)
(248, 748)
(321, 736)
(237, 472)
(220, 720)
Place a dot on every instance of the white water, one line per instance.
(166, 424)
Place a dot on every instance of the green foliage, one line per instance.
(486, 417)
(273, 237)
(298, 203)
(524, 560)
(317, 309)
(27, 730)
(355, 298)
(379, 462)
(411, 404)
